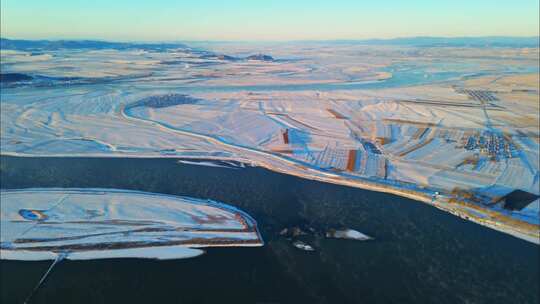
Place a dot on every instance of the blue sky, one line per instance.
(160, 20)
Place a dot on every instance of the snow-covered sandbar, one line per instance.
(81, 224)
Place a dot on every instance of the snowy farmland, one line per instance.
(407, 121)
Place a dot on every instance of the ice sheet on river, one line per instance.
(40, 224)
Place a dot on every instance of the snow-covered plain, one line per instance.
(461, 122)
(39, 224)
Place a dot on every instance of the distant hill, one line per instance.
(451, 42)
(260, 57)
(256, 57)
(14, 77)
(29, 45)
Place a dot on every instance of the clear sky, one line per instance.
(158, 20)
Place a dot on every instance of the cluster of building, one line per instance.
(369, 146)
(166, 100)
(479, 95)
(493, 144)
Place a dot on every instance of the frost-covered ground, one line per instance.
(416, 121)
(39, 224)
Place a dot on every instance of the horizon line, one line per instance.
(277, 40)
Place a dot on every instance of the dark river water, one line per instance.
(420, 254)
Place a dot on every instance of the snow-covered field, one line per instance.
(461, 122)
